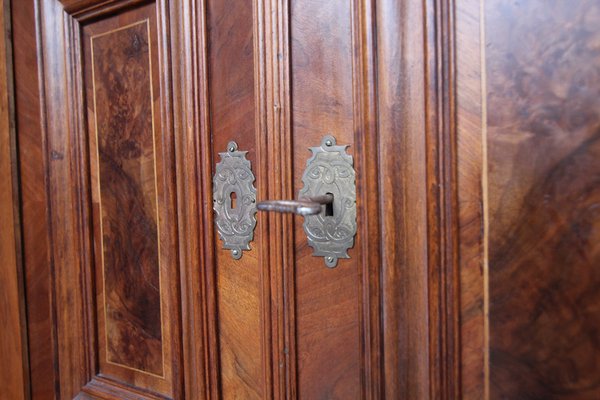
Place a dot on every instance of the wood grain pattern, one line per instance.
(132, 194)
(241, 313)
(13, 345)
(275, 76)
(194, 192)
(403, 190)
(470, 165)
(528, 89)
(73, 362)
(543, 95)
(327, 300)
(34, 210)
(122, 85)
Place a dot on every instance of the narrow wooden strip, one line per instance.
(13, 346)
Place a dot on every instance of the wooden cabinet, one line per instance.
(473, 127)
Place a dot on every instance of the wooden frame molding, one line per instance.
(442, 201)
(14, 367)
(420, 279)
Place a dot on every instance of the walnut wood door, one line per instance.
(473, 128)
(123, 108)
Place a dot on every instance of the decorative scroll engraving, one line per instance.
(330, 170)
(233, 182)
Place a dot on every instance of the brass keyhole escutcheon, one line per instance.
(234, 200)
(327, 201)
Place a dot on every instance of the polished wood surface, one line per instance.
(417, 199)
(328, 302)
(473, 130)
(470, 187)
(13, 344)
(108, 148)
(123, 150)
(275, 77)
(528, 90)
(543, 97)
(34, 210)
(240, 285)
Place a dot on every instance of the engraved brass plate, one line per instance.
(234, 200)
(331, 171)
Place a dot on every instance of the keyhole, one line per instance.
(233, 200)
(329, 207)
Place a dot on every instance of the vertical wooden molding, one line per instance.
(442, 200)
(401, 103)
(275, 105)
(366, 142)
(14, 379)
(210, 286)
(262, 40)
(61, 148)
(34, 213)
(418, 198)
(194, 182)
(260, 35)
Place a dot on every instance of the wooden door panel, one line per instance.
(111, 195)
(473, 127)
(133, 230)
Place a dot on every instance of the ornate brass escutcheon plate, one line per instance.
(234, 200)
(331, 171)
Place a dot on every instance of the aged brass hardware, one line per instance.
(327, 201)
(234, 200)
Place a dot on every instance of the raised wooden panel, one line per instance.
(126, 197)
(112, 327)
(132, 224)
(124, 148)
